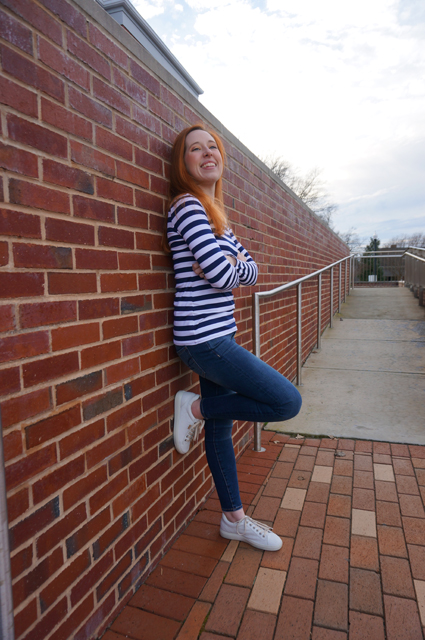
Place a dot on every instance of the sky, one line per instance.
(330, 84)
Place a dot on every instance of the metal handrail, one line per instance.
(412, 255)
(284, 287)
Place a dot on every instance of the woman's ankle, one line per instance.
(196, 409)
(234, 516)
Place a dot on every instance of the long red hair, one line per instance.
(181, 182)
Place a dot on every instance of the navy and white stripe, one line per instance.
(203, 309)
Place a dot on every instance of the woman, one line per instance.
(235, 385)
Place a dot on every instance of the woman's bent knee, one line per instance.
(291, 405)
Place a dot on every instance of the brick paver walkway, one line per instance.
(352, 565)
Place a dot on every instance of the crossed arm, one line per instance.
(198, 269)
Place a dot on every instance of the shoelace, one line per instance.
(260, 526)
(194, 431)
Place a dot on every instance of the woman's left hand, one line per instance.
(198, 270)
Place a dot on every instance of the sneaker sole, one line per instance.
(234, 536)
(176, 419)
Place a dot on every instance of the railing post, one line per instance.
(345, 279)
(257, 349)
(6, 600)
(331, 302)
(319, 312)
(299, 333)
(339, 287)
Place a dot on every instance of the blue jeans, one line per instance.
(235, 385)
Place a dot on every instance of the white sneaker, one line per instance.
(255, 533)
(186, 427)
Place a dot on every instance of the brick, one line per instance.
(96, 619)
(93, 356)
(388, 513)
(122, 371)
(119, 327)
(15, 33)
(57, 60)
(391, 541)
(4, 254)
(7, 318)
(308, 543)
(110, 535)
(37, 577)
(106, 448)
(45, 313)
(9, 381)
(69, 232)
(18, 97)
(334, 563)
(132, 218)
(89, 107)
(125, 414)
(364, 499)
(88, 55)
(111, 237)
(60, 530)
(21, 225)
(402, 618)
(68, 14)
(78, 387)
(267, 591)
(149, 202)
(81, 439)
(111, 190)
(18, 161)
(145, 78)
(135, 304)
(130, 173)
(107, 47)
(294, 622)
(286, 523)
(66, 176)
(127, 129)
(302, 578)
(93, 209)
(49, 368)
(87, 532)
(339, 506)
(21, 561)
(365, 627)
(365, 592)
(30, 526)
(396, 577)
(96, 260)
(163, 603)
(313, 515)
(414, 530)
(386, 491)
(27, 345)
(406, 484)
(17, 504)
(342, 485)
(63, 119)
(113, 98)
(32, 256)
(114, 144)
(331, 605)
(133, 261)
(52, 427)
(132, 621)
(35, 196)
(228, 609)
(83, 487)
(102, 404)
(67, 337)
(12, 444)
(417, 561)
(23, 407)
(33, 75)
(35, 136)
(364, 553)
(244, 567)
(337, 531)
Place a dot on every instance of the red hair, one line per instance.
(181, 181)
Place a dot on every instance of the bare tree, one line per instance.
(309, 187)
(413, 240)
(352, 238)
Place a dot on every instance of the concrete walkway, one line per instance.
(352, 564)
(368, 380)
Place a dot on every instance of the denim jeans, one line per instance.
(235, 385)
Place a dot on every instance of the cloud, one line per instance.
(334, 85)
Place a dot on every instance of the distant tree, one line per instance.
(413, 240)
(309, 187)
(352, 238)
(371, 266)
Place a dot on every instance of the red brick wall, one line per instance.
(87, 366)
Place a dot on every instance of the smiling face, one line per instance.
(203, 159)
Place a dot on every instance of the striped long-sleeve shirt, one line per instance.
(203, 308)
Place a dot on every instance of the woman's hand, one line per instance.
(196, 267)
